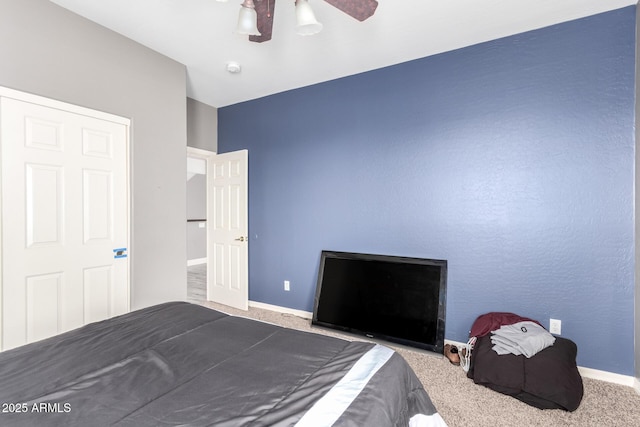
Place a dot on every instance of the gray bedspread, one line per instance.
(179, 364)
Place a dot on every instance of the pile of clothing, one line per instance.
(510, 334)
(515, 355)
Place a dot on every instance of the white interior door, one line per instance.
(228, 229)
(65, 218)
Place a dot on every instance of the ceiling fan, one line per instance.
(358, 9)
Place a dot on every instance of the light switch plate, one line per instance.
(555, 326)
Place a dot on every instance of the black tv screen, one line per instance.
(398, 299)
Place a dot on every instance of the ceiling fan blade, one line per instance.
(264, 10)
(359, 9)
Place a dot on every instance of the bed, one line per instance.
(182, 364)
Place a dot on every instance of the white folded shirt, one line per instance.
(527, 338)
(504, 346)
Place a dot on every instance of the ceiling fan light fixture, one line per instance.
(307, 24)
(248, 19)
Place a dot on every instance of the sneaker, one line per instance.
(451, 353)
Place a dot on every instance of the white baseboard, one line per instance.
(636, 385)
(280, 309)
(197, 261)
(609, 377)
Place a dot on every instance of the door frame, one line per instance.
(6, 92)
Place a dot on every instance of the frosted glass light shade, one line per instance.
(306, 19)
(248, 20)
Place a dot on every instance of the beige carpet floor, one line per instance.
(461, 403)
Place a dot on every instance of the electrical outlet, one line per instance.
(555, 326)
(287, 285)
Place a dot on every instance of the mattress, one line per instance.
(183, 364)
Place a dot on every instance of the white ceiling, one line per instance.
(200, 35)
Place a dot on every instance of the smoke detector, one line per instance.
(233, 67)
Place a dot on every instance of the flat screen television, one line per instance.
(392, 298)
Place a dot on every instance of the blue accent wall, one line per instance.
(512, 159)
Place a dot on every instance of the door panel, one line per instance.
(98, 282)
(97, 209)
(43, 134)
(43, 205)
(43, 316)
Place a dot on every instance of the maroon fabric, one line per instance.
(492, 321)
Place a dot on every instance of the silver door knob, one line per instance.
(241, 238)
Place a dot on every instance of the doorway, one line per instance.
(197, 224)
(222, 275)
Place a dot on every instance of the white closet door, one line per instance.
(65, 219)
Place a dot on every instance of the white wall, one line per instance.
(202, 125)
(49, 51)
(196, 210)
